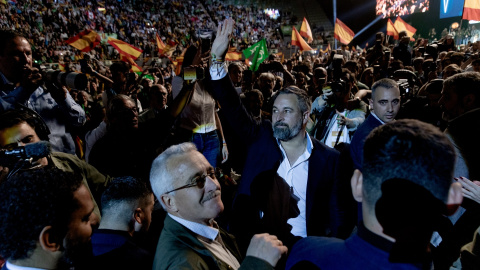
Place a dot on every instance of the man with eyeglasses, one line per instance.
(185, 185)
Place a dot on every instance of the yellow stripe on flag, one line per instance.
(471, 10)
(297, 40)
(342, 33)
(124, 48)
(305, 30)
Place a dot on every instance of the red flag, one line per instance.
(471, 10)
(85, 41)
(128, 59)
(124, 48)
(342, 33)
(305, 30)
(400, 25)
(161, 46)
(391, 31)
(297, 40)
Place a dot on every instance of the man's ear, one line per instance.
(306, 117)
(357, 185)
(47, 240)
(138, 215)
(169, 202)
(455, 198)
(370, 102)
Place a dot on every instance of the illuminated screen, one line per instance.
(451, 8)
(395, 8)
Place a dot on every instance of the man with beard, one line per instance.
(51, 223)
(288, 179)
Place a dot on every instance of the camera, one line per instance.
(71, 80)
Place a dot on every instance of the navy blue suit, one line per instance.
(363, 250)
(356, 146)
(263, 159)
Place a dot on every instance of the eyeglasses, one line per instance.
(198, 181)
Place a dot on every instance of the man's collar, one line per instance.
(210, 233)
(374, 239)
(374, 115)
(11, 266)
(309, 143)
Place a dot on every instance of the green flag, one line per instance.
(260, 53)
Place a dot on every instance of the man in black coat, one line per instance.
(287, 186)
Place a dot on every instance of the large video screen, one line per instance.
(451, 8)
(395, 8)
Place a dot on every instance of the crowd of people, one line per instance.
(353, 159)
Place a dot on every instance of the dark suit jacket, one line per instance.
(264, 157)
(179, 248)
(356, 146)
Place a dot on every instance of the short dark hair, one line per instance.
(11, 118)
(124, 189)
(32, 200)
(120, 66)
(116, 103)
(407, 149)
(304, 101)
(385, 83)
(464, 84)
(6, 35)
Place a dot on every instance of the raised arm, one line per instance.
(224, 92)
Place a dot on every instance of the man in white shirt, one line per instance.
(185, 184)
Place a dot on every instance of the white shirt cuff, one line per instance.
(218, 71)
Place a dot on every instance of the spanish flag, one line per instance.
(124, 48)
(135, 68)
(233, 55)
(391, 31)
(85, 41)
(471, 10)
(400, 25)
(297, 40)
(161, 46)
(305, 31)
(342, 33)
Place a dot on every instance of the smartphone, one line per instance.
(190, 74)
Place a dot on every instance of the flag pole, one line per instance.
(334, 19)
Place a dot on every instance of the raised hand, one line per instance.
(221, 42)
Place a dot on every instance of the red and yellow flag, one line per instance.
(135, 68)
(124, 48)
(391, 31)
(471, 10)
(305, 30)
(297, 40)
(85, 41)
(400, 25)
(233, 55)
(342, 33)
(161, 46)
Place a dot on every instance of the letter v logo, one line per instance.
(445, 6)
